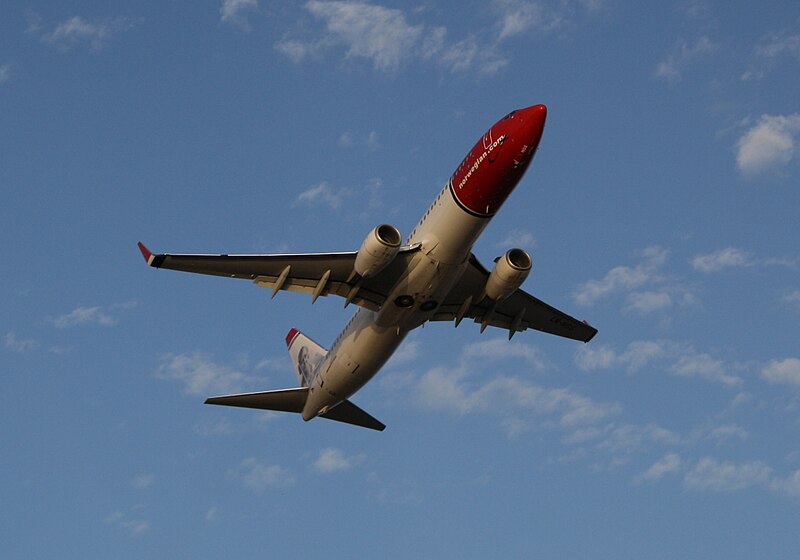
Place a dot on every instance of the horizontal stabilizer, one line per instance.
(284, 400)
(349, 413)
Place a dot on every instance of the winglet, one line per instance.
(148, 256)
(151, 259)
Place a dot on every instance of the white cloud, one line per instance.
(380, 34)
(77, 30)
(518, 238)
(5, 72)
(783, 372)
(235, 12)
(730, 257)
(260, 477)
(793, 299)
(638, 354)
(519, 16)
(143, 480)
(453, 389)
(668, 464)
(334, 460)
(85, 315)
(703, 365)
(710, 474)
(623, 278)
(789, 486)
(212, 515)
(135, 527)
(628, 438)
(370, 141)
(467, 55)
(95, 315)
(201, 376)
(727, 432)
(322, 194)
(682, 54)
(19, 345)
(769, 50)
(776, 44)
(496, 349)
(769, 145)
(385, 37)
(647, 302)
(675, 358)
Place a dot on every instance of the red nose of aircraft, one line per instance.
(497, 162)
(531, 123)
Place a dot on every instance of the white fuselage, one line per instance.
(446, 234)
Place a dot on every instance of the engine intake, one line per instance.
(508, 274)
(379, 248)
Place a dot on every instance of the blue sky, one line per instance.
(662, 206)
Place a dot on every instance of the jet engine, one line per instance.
(508, 274)
(379, 248)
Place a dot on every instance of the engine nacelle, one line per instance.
(508, 274)
(379, 248)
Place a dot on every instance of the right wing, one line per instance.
(317, 274)
(518, 312)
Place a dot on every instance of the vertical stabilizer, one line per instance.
(306, 356)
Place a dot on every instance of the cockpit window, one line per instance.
(508, 116)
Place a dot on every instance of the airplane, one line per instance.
(397, 286)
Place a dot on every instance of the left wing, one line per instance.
(518, 312)
(317, 274)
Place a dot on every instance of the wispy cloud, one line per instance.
(459, 390)
(770, 49)
(623, 278)
(684, 52)
(705, 366)
(19, 345)
(725, 476)
(332, 460)
(385, 37)
(516, 17)
(793, 299)
(259, 477)
(235, 12)
(382, 35)
(5, 72)
(733, 257)
(769, 145)
(667, 465)
(95, 315)
(77, 30)
(662, 355)
(323, 194)
(614, 444)
(132, 525)
(638, 354)
(786, 372)
(518, 238)
(199, 375)
(370, 141)
(143, 480)
(730, 257)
